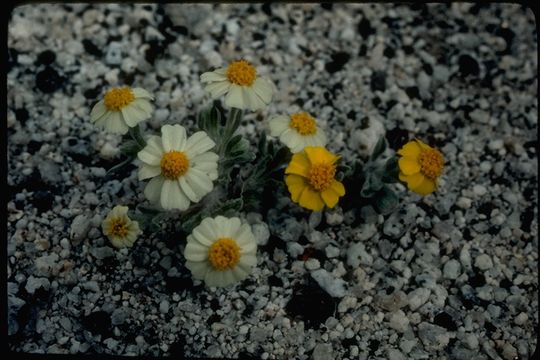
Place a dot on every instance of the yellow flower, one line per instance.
(419, 166)
(311, 181)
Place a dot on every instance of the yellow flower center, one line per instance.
(174, 164)
(431, 163)
(241, 73)
(118, 227)
(117, 98)
(224, 254)
(321, 176)
(303, 123)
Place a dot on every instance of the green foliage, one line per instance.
(233, 150)
(386, 200)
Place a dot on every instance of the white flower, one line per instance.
(119, 228)
(221, 251)
(297, 131)
(244, 89)
(182, 169)
(122, 108)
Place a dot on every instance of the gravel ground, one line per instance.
(452, 275)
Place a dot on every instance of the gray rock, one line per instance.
(323, 351)
(452, 269)
(433, 337)
(418, 298)
(119, 316)
(80, 227)
(50, 171)
(395, 354)
(398, 321)
(91, 285)
(261, 233)
(357, 255)
(164, 307)
(102, 252)
(333, 286)
(32, 284)
(166, 262)
(483, 262)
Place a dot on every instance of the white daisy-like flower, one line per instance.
(239, 80)
(297, 131)
(182, 169)
(122, 108)
(119, 228)
(221, 251)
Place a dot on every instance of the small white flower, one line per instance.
(221, 251)
(243, 88)
(119, 228)
(182, 169)
(297, 131)
(122, 108)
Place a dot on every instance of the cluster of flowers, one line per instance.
(182, 169)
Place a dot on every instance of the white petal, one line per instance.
(264, 89)
(233, 224)
(205, 157)
(149, 156)
(186, 188)
(289, 137)
(119, 211)
(116, 124)
(173, 137)
(143, 105)
(133, 115)
(141, 93)
(98, 111)
(244, 237)
(248, 260)
(235, 98)
(198, 143)
(240, 273)
(199, 182)
(201, 236)
(252, 101)
(278, 125)
(217, 89)
(146, 171)
(213, 278)
(194, 251)
(211, 76)
(172, 197)
(198, 268)
(207, 228)
(153, 189)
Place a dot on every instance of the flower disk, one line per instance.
(224, 254)
(241, 73)
(174, 164)
(431, 163)
(118, 227)
(118, 98)
(321, 176)
(303, 123)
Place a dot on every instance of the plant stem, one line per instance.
(135, 133)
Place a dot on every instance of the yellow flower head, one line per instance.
(419, 166)
(311, 180)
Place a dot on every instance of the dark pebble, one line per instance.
(397, 138)
(91, 94)
(339, 60)
(389, 52)
(154, 50)
(445, 320)
(21, 115)
(468, 66)
(98, 322)
(378, 81)
(258, 36)
(12, 58)
(267, 9)
(327, 6)
(182, 30)
(42, 200)
(477, 280)
(526, 218)
(176, 349)
(48, 80)
(275, 281)
(212, 319)
(33, 146)
(178, 284)
(374, 345)
(311, 304)
(365, 29)
(413, 92)
(91, 48)
(46, 57)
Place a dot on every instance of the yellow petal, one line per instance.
(425, 187)
(414, 180)
(299, 165)
(318, 154)
(423, 145)
(296, 185)
(408, 165)
(410, 149)
(329, 197)
(311, 199)
(338, 187)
